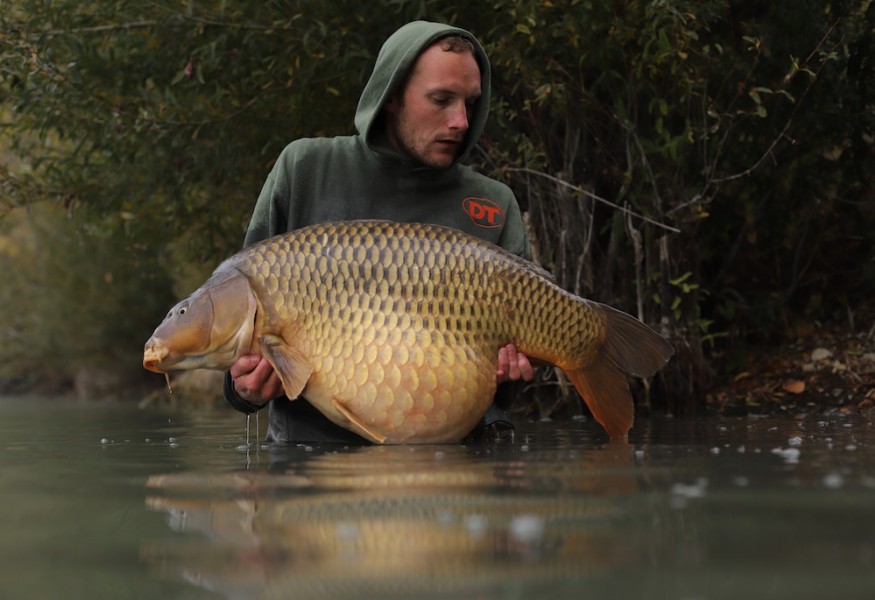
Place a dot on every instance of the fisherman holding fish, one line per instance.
(418, 118)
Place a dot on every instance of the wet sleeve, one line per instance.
(236, 401)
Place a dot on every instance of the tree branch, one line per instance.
(595, 197)
(783, 133)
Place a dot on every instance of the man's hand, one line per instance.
(255, 380)
(513, 365)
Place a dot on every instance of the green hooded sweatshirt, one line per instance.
(363, 177)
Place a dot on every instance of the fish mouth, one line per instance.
(154, 355)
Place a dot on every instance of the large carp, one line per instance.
(392, 330)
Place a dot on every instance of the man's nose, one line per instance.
(459, 116)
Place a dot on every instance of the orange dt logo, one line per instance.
(483, 212)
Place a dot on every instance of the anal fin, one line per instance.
(605, 390)
(375, 436)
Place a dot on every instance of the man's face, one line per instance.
(429, 119)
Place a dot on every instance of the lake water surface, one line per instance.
(112, 501)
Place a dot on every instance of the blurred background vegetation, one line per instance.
(705, 165)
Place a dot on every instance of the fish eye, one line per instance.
(182, 310)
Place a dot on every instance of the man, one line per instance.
(419, 115)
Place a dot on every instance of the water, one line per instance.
(108, 501)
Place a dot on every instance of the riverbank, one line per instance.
(819, 369)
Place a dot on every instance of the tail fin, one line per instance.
(630, 347)
(606, 392)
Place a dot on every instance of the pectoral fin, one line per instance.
(370, 433)
(292, 367)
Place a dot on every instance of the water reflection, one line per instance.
(395, 521)
(706, 508)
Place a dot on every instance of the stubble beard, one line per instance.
(404, 138)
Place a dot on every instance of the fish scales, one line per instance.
(412, 287)
(425, 278)
(393, 330)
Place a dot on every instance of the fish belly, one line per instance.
(399, 377)
(401, 324)
(402, 383)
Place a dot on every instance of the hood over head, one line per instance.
(394, 62)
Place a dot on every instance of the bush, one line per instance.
(77, 304)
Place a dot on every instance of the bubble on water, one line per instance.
(172, 440)
(476, 525)
(639, 454)
(741, 449)
(243, 448)
(347, 531)
(790, 455)
(524, 448)
(795, 441)
(694, 490)
(104, 440)
(715, 450)
(439, 455)
(445, 516)
(741, 481)
(851, 447)
(527, 528)
(833, 481)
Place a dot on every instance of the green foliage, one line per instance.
(171, 113)
(703, 164)
(794, 215)
(73, 298)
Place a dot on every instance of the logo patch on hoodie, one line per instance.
(483, 212)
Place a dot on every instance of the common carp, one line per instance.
(392, 330)
(386, 522)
